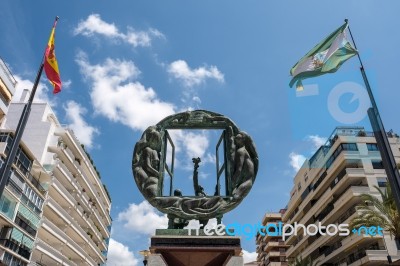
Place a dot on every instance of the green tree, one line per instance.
(379, 212)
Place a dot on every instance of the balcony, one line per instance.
(349, 243)
(66, 218)
(277, 244)
(378, 256)
(341, 155)
(274, 254)
(65, 152)
(63, 192)
(321, 241)
(52, 256)
(36, 184)
(274, 263)
(79, 196)
(7, 77)
(62, 173)
(348, 195)
(17, 248)
(64, 238)
(93, 194)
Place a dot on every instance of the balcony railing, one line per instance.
(7, 72)
(30, 204)
(361, 253)
(53, 204)
(73, 246)
(12, 245)
(56, 254)
(92, 190)
(36, 183)
(64, 192)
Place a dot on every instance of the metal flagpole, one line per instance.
(5, 170)
(388, 160)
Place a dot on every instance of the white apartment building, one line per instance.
(327, 189)
(75, 226)
(21, 204)
(271, 250)
(7, 88)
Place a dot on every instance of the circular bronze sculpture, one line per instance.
(240, 165)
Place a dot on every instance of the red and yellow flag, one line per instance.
(50, 63)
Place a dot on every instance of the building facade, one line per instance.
(22, 201)
(271, 250)
(75, 224)
(7, 89)
(21, 204)
(327, 190)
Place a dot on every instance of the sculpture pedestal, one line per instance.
(174, 247)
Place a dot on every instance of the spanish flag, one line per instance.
(50, 62)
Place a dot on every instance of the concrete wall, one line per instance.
(39, 129)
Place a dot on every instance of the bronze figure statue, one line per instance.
(240, 165)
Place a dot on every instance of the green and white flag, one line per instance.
(325, 57)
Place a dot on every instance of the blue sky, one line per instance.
(127, 64)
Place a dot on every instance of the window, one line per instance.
(7, 206)
(299, 186)
(377, 165)
(349, 146)
(381, 183)
(13, 261)
(22, 161)
(372, 147)
(339, 149)
(33, 197)
(24, 224)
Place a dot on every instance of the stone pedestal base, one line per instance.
(174, 247)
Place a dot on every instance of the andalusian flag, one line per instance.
(50, 63)
(325, 57)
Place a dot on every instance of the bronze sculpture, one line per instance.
(240, 167)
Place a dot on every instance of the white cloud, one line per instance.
(120, 255)
(25, 84)
(66, 84)
(190, 77)
(316, 140)
(82, 130)
(197, 144)
(249, 256)
(142, 218)
(210, 158)
(115, 96)
(95, 25)
(296, 160)
(191, 145)
(196, 99)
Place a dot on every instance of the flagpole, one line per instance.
(5, 170)
(382, 140)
